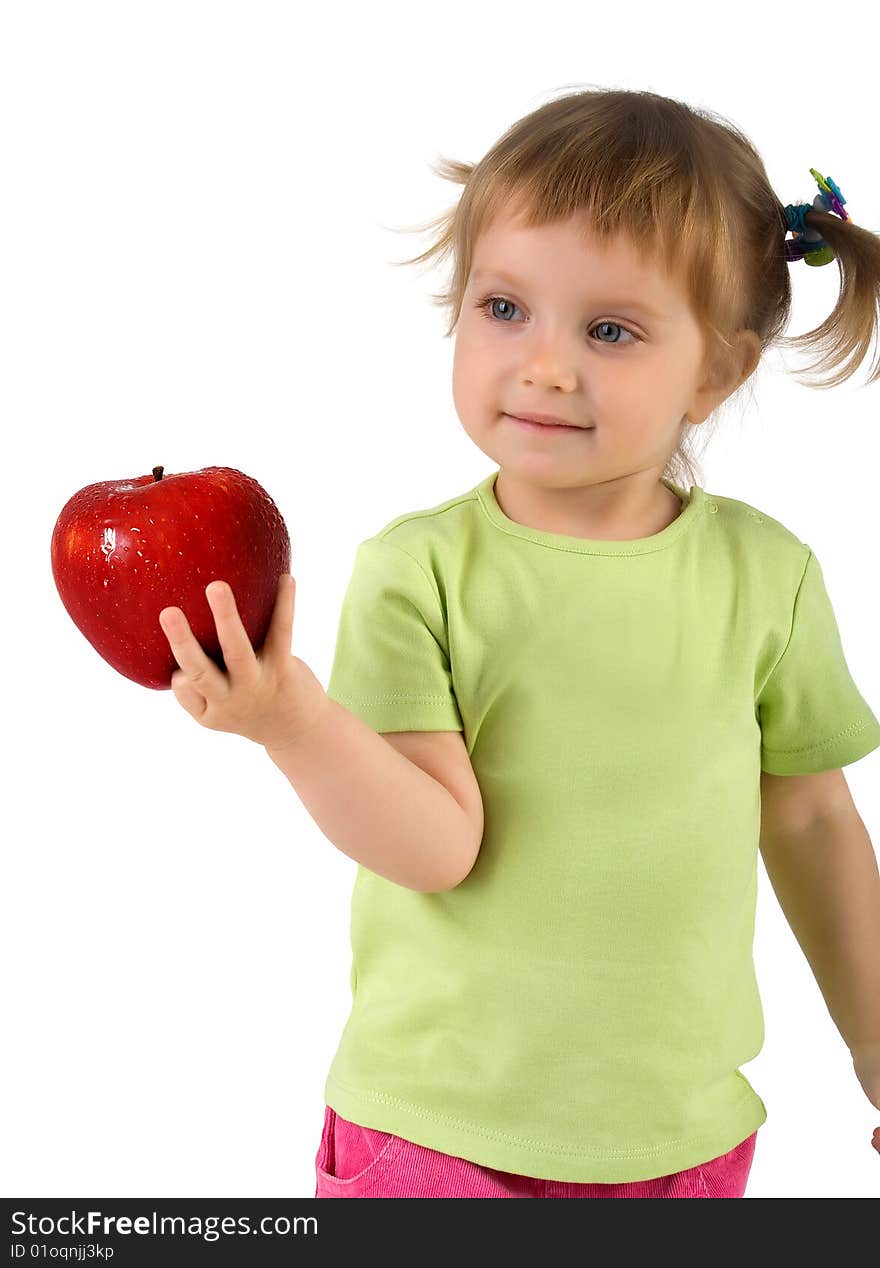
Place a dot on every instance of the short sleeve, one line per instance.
(391, 665)
(812, 715)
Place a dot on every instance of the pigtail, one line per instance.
(847, 332)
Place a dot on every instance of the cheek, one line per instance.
(627, 398)
(473, 385)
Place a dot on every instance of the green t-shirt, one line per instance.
(578, 1007)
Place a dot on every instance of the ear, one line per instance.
(716, 388)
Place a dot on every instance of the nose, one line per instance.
(549, 363)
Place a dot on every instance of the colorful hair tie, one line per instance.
(808, 244)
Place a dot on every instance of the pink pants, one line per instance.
(361, 1162)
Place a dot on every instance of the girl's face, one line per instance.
(554, 323)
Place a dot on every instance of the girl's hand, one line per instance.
(866, 1063)
(272, 698)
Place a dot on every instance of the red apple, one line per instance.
(122, 550)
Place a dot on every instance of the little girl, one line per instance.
(568, 705)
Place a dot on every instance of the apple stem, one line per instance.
(157, 473)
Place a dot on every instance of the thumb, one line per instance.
(280, 636)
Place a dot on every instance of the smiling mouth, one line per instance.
(546, 427)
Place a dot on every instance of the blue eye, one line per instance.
(617, 326)
(486, 303)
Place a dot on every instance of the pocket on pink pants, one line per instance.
(351, 1159)
(726, 1176)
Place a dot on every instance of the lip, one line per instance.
(545, 423)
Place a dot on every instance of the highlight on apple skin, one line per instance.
(122, 550)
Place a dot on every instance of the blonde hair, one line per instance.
(692, 194)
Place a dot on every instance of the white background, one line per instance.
(196, 272)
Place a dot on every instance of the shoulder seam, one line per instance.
(380, 537)
(794, 608)
(441, 509)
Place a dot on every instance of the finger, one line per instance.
(238, 652)
(204, 675)
(191, 700)
(278, 640)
